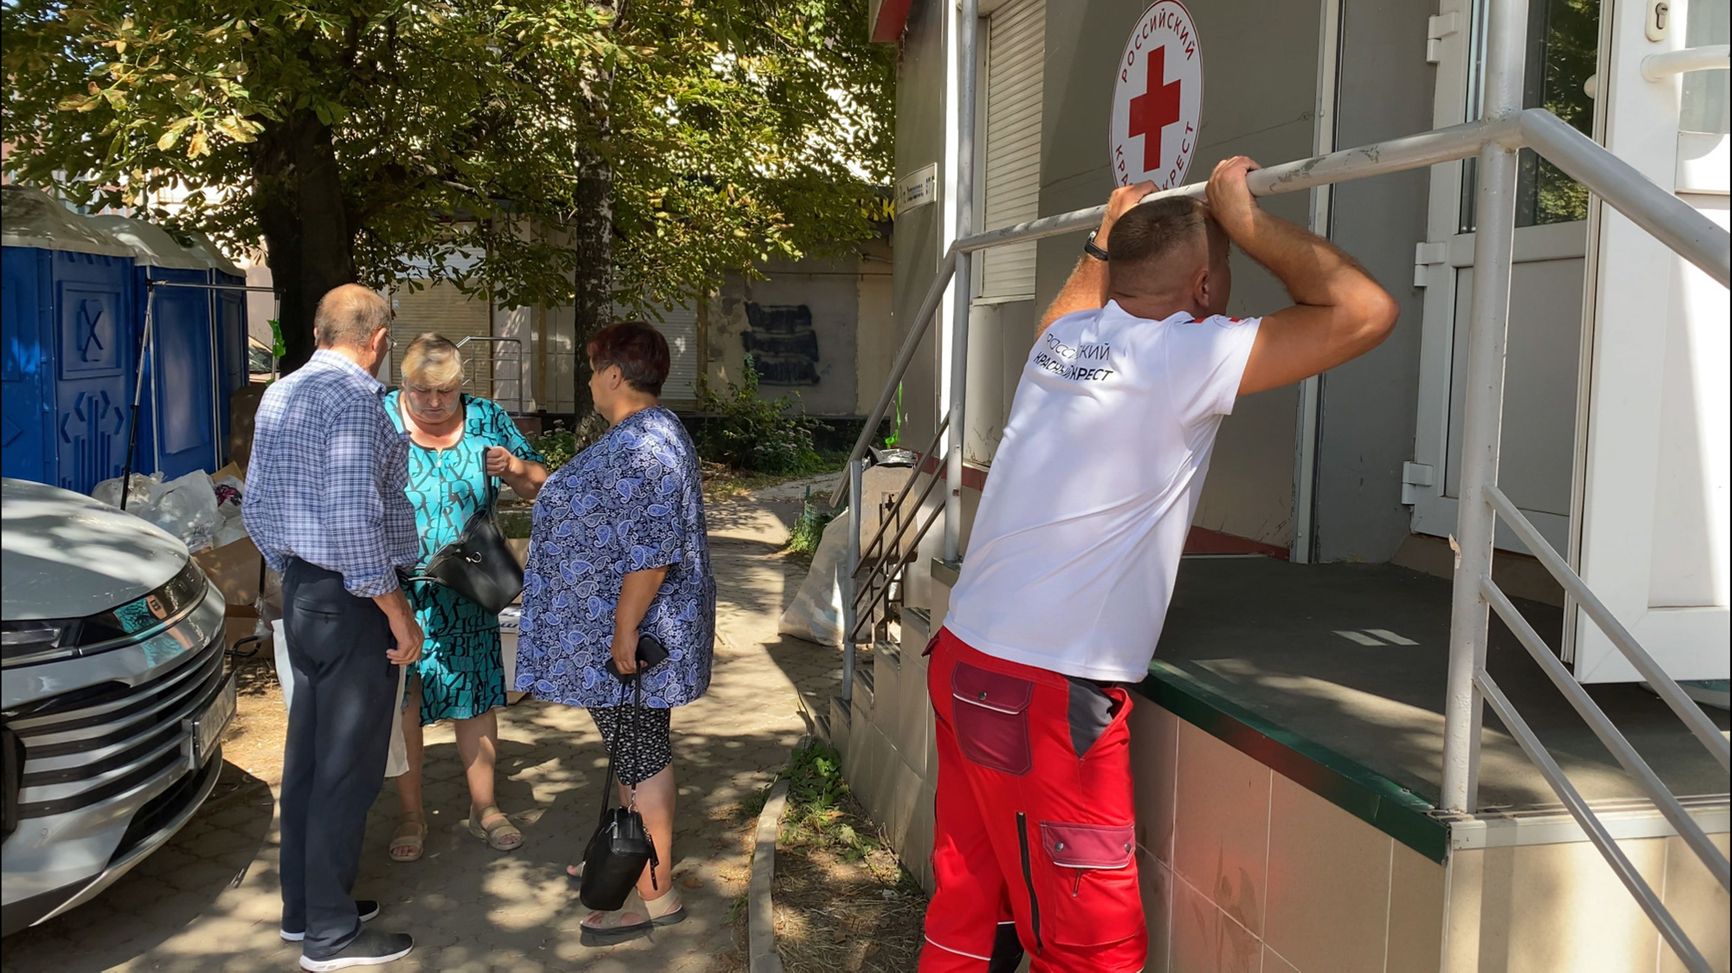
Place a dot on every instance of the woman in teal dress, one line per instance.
(460, 444)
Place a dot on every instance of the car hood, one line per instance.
(66, 555)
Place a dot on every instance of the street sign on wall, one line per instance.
(1157, 98)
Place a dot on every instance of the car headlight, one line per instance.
(30, 639)
(11, 780)
(36, 640)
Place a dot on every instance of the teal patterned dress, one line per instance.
(460, 669)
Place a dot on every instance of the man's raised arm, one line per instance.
(1086, 290)
(1339, 312)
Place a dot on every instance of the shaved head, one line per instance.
(1166, 239)
(350, 315)
(1169, 255)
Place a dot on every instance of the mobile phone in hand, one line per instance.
(650, 653)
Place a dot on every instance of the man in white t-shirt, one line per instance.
(1071, 561)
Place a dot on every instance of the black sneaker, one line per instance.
(367, 909)
(370, 948)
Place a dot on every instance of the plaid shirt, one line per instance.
(326, 479)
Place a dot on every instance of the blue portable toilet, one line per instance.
(178, 426)
(229, 315)
(67, 352)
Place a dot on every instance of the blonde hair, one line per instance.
(432, 361)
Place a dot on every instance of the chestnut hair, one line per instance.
(638, 349)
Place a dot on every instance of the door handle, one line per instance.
(1708, 57)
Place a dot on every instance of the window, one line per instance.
(1563, 46)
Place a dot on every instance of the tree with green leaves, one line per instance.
(629, 152)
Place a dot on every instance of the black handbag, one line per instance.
(479, 564)
(621, 848)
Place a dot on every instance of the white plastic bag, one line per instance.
(815, 614)
(145, 491)
(187, 509)
(232, 530)
(510, 619)
(397, 761)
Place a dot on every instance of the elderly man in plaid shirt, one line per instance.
(325, 504)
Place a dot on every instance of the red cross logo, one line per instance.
(1155, 109)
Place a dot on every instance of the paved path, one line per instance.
(209, 899)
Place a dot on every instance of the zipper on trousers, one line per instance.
(1028, 878)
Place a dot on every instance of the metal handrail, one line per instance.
(1614, 741)
(883, 594)
(896, 541)
(1700, 725)
(493, 360)
(1590, 823)
(1664, 216)
(899, 366)
(895, 544)
(907, 485)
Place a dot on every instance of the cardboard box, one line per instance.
(243, 407)
(234, 568)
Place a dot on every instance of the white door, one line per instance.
(1654, 510)
(1547, 282)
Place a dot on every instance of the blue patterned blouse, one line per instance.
(631, 502)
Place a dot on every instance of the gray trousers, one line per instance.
(334, 755)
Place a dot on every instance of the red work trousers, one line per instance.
(1035, 826)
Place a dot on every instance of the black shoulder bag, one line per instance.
(479, 565)
(621, 848)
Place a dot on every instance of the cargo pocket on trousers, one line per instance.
(990, 712)
(1092, 898)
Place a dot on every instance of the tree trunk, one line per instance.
(592, 230)
(592, 234)
(305, 222)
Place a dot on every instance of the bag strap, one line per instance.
(636, 708)
(607, 786)
(618, 746)
(489, 506)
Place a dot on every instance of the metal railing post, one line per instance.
(1488, 329)
(968, 23)
(851, 564)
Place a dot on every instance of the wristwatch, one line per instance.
(1099, 253)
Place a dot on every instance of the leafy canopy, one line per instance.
(735, 130)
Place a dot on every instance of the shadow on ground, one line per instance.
(210, 899)
(186, 879)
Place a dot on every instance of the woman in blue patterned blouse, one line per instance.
(618, 551)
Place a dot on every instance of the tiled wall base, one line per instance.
(1245, 870)
(1560, 907)
(888, 754)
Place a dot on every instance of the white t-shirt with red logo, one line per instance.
(1071, 561)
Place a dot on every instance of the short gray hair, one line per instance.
(350, 314)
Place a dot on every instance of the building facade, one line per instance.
(1288, 740)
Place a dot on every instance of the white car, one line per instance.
(114, 692)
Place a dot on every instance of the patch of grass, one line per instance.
(558, 445)
(843, 902)
(816, 787)
(808, 531)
